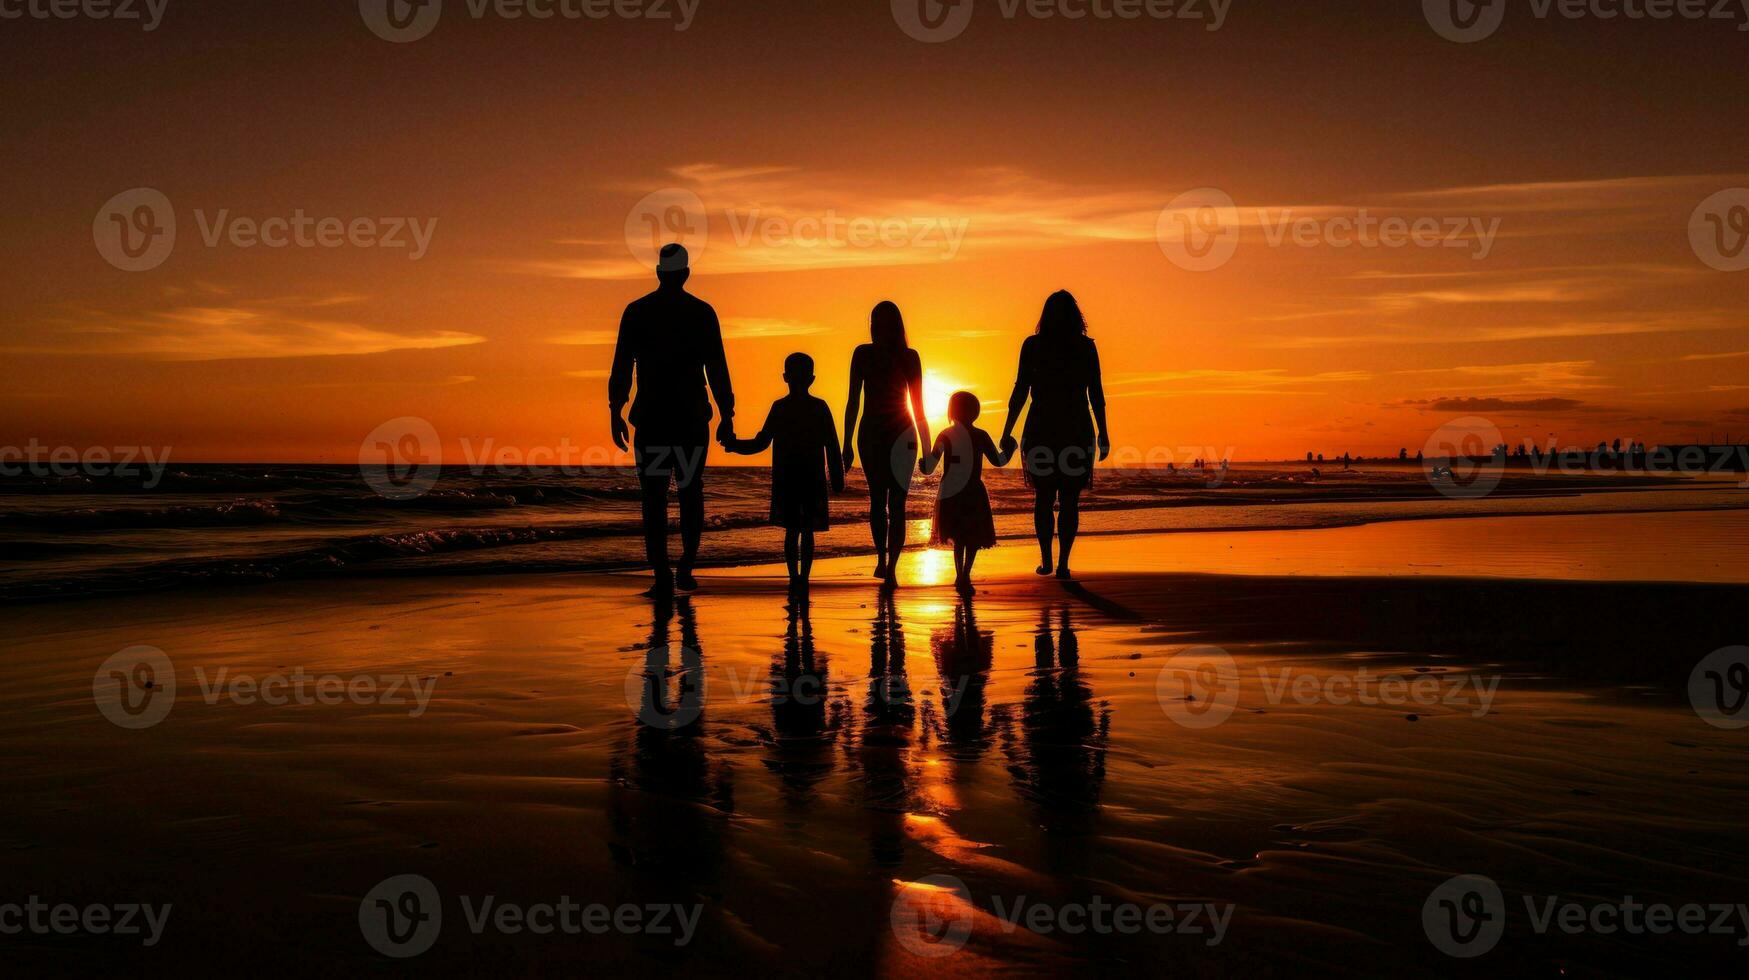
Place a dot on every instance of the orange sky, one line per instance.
(1021, 157)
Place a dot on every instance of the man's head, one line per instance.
(672, 268)
(798, 371)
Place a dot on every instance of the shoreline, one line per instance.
(385, 570)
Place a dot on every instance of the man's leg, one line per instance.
(653, 475)
(689, 473)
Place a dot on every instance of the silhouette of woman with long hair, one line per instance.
(1059, 372)
(888, 375)
(1058, 761)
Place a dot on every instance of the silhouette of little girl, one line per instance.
(962, 507)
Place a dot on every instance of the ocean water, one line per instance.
(235, 524)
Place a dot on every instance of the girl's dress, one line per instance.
(962, 507)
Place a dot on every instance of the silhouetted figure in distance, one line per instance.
(1059, 372)
(804, 459)
(888, 375)
(671, 341)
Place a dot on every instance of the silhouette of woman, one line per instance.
(1059, 371)
(893, 427)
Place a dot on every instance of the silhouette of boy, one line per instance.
(804, 458)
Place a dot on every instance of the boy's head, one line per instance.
(964, 407)
(798, 370)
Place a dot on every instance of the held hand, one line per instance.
(726, 430)
(622, 435)
(1104, 446)
(1009, 443)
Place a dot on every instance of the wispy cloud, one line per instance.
(1727, 356)
(734, 328)
(234, 330)
(1675, 321)
(1473, 405)
(780, 219)
(1261, 381)
(748, 327)
(1549, 376)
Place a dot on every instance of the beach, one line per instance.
(839, 785)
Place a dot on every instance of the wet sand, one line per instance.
(1021, 745)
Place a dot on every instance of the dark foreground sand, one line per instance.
(1021, 744)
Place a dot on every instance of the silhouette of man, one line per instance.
(673, 343)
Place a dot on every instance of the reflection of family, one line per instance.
(672, 343)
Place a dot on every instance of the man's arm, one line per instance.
(619, 380)
(716, 371)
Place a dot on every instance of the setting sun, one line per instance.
(937, 389)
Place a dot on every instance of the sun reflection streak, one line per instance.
(934, 567)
